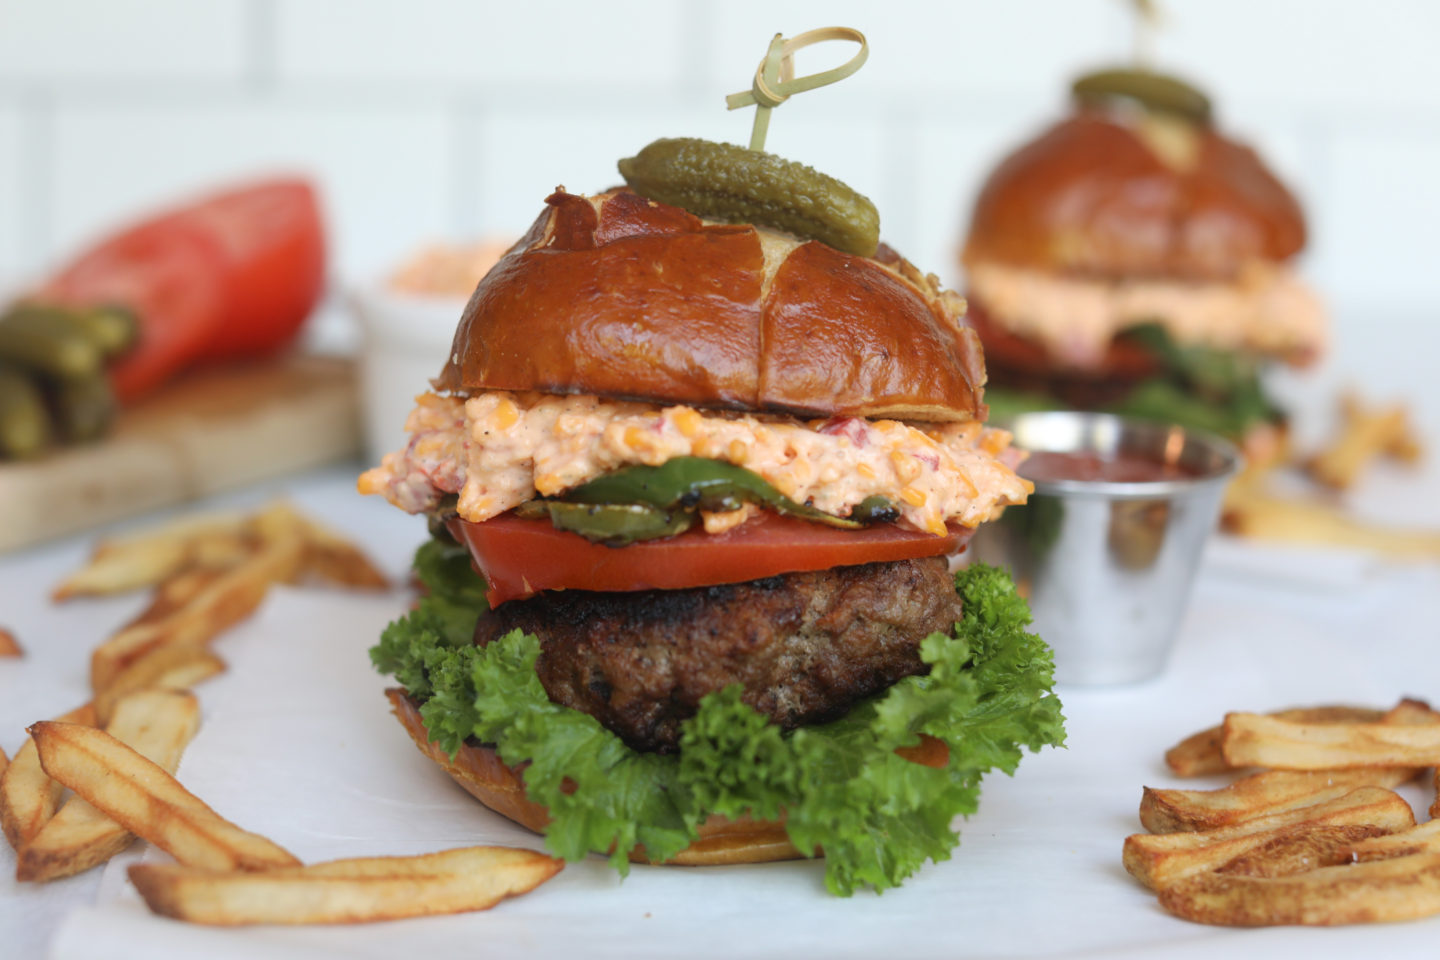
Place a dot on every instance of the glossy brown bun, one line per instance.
(1090, 197)
(499, 786)
(624, 297)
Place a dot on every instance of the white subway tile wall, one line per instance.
(12, 209)
(60, 42)
(428, 119)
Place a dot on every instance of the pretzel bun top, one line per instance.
(1092, 196)
(628, 298)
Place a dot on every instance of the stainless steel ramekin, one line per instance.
(1108, 566)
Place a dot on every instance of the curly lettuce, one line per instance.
(841, 785)
(1201, 387)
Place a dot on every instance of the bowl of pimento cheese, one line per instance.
(407, 321)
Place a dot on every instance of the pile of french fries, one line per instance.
(1364, 435)
(117, 754)
(1317, 837)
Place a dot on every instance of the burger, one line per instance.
(1134, 259)
(693, 488)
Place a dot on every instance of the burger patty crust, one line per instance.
(806, 646)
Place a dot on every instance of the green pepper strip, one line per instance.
(613, 524)
(690, 483)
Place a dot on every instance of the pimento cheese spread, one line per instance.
(1267, 310)
(499, 449)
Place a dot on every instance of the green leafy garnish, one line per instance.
(841, 785)
(1216, 390)
(1199, 387)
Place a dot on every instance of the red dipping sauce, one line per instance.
(1085, 466)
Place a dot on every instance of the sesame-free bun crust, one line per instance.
(499, 786)
(1090, 197)
(628, 298)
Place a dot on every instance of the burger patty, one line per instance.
(806, 646)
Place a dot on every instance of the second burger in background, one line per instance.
(1134, 259)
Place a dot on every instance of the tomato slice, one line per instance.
(273, 245)
(229, 277)
(519, 558)
(168, 272)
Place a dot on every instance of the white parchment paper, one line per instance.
(297, 743)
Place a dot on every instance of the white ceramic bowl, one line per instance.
(405, 340)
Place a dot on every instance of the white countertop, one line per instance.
(297, 743)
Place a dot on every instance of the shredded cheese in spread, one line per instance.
(499, 449)
(1267, 310)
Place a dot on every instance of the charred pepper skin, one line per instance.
(644, 503)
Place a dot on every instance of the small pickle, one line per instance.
(722, 181)
(84, 408)
(24, 422)
(696, 483)
(1154, 91)
(113, 329)
(50, 342)
(613, 524)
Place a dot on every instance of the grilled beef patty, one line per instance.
(806, 646)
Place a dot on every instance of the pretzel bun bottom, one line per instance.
(499, 786)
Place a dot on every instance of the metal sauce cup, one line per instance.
(1109, 565)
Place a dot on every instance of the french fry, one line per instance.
(1269, 791)
(1411, 710)
(27, 796)
(157, 724)
(1302, 849)
(1253, 513)
(4, 761)
(174, 592)
(345, 891)
(142, 560)
(1365, 434)
(1422, 839)
(333, 559)
(1255, 740)
(9, 646)
(1199, 755)
(1403, 888)
(147, 801)
(164, 668)
(1158, 860)
(231, 597)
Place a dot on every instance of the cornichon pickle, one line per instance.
(50, 342)
(696, 483)
(24, 421)
(613, 524)
(722, 181)
(83, 408)
(113, 329)
(1154, 91)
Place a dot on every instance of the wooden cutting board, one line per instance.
(213, 430)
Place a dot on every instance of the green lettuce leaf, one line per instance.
(1201, 387)
(841, 786)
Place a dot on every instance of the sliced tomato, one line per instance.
(229, 277)
(273, 245)
(168, 273)
(519, 558)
